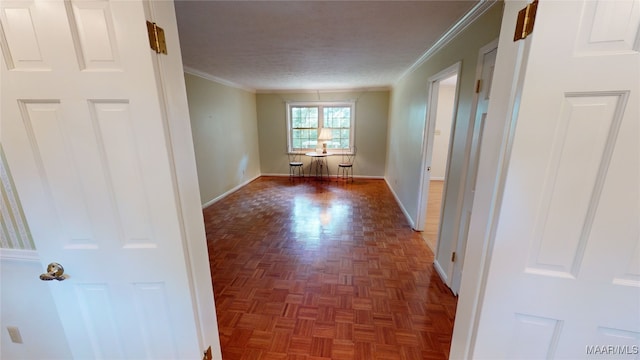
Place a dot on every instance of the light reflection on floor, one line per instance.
(311, 269)
(318, 218)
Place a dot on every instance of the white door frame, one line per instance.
(427, 142)
(175, 110)
(496, 147)
(580, 297)
(470, 169)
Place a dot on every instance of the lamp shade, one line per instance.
(325, 134)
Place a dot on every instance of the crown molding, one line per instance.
(324, 91)
(477, 11)
(207, 76)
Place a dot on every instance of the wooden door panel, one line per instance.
(21, 41)
(121, 162)
(84, 135)
(571, 180)
(93, 33)
(564, 273)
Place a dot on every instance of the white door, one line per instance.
(83, 133)
(486, 66)
(564, 275)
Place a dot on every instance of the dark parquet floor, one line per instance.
(313, 270)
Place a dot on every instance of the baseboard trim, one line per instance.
(19, 255)
(440, 272)
(227, 193)
(404, 211)
(331, 176)
(437, 178)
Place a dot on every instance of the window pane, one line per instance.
(310, 117)
(335, 117)
(304, 117)
(296, 118)
(304, 138)
(305, 121)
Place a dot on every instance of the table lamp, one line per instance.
(325, 135)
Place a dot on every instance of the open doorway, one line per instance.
(444, 104)
(433, 204)
(441, 100)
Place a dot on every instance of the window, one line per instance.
(304, 121)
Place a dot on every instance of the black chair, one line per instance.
(345, 167)
(296, 166)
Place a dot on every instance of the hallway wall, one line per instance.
(408, 115)
(225, 136)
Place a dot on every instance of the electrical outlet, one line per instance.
(14, 334)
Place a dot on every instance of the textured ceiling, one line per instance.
(311, 45)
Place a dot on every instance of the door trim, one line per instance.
(499, 132)
(21, 255)
(427, 142)
(172, 96)
(461, 243)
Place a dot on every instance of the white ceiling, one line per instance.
(311, 45)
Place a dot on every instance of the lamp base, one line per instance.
(324, 148)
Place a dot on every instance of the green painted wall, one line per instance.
(371, 114)
(408, 115)
(225, 136)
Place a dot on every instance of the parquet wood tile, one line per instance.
(434, 207)
(324, 270)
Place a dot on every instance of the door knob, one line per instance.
(428, 168)
(55, 271)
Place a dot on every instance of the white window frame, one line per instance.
(320, 105)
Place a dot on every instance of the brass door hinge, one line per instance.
(526, 18)
(453, 256)
(478, 86)
(207, 354)
(156, 38)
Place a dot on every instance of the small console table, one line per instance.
(319, 163)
